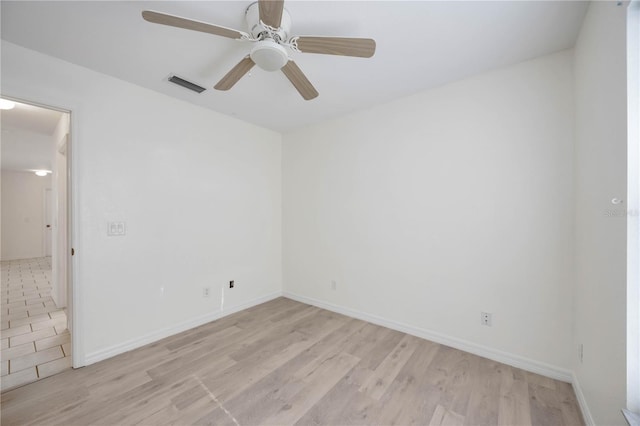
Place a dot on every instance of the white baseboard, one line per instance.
(582, 402)
(537, 367)
(123, 347)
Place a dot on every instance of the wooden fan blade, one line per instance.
(299, 80)
(271, 12)
(189, 24)
(360, 47)
(235, 74)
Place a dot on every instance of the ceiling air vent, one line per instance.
(186, 84)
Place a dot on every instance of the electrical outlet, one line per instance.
(485, 318)
(206, 291)
(231, 284)
(333, 285)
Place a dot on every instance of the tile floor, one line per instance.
(35, 340)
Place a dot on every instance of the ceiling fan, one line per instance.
(269, 24)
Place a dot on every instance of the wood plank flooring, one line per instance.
(285, 363)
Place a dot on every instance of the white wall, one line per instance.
(25, 150)
(600, 175)
(200, 194)
(23, 222)
(433, 208)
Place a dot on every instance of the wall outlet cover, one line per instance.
(485, 318)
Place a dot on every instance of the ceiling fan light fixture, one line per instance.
(42, 173)
(269, 55)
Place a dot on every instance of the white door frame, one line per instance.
(74, 290)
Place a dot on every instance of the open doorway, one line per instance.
(34, 256)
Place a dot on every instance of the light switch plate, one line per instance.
(116, 229)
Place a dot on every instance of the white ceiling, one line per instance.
(420, 44)
(27, 142)
(30, 118)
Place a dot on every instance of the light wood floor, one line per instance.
(34, 336)
(284, 362)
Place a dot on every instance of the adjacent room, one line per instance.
(35, 336)
(322, 212)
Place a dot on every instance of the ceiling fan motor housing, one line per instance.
(252, 15)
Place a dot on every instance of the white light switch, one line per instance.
(116, 229)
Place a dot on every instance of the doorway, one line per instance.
(34, 256)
